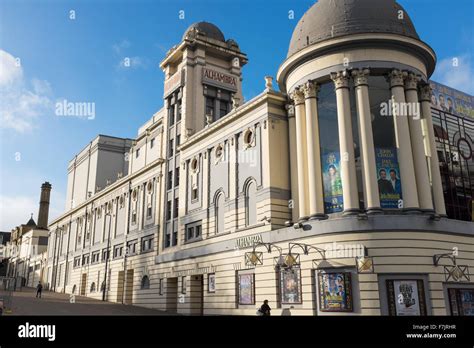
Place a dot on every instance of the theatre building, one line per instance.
(345, 192)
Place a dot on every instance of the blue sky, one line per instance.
(80, 60)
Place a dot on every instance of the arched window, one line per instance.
(251, 204)
(220, 213)
(145, 283)
(92, 287)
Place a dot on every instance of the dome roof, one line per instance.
(328, 19)
(206, 28)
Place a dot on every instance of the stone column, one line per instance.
(315, 179)
(293, 162)
(436, 183)
(418, 149)
(346, 144)
(367, 141)
(301, 152)
(403, 142)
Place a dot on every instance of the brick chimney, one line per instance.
(44, 206)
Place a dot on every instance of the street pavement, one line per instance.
(24, 302)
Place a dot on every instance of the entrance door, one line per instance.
(83, 284)
(121, 275)
(172, 295)
(196, 296)
(129, 287)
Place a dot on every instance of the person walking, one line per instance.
(265, 309)
(39, 289)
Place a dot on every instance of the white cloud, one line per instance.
(20, 106)
(132, 63)
(17, 210)
(120, 47)
(458, 77)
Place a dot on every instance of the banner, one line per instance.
(388, 177)
(451, 100)
(333, 200)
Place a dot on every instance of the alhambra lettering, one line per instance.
(219, 77)
(246, 242)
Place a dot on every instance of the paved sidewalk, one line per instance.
(25, 303)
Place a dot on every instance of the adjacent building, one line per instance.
(327, 197)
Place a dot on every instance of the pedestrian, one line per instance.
(39, 289)
(265, 309)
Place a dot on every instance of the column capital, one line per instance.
(341, 79)
(310, 90)
(396, 78)
(360, 77)
(297, 96)
(425, 92)
(290, 110)
(411, 81)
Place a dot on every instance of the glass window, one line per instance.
(145, 284)
(176, 177)
(171, 115)
(176, 206)
(329, 143)
(152, 143)
(224, 108)
(209, 106)
(169, 183)
(383, 128)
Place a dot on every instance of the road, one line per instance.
(25, 303)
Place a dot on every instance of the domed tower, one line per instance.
(202, 77)
(360, 121)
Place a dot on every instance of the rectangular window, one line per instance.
(223, 108)
(171, 115)
(169, 181)
(176, 206)
(147, 243)
(134, 217)
(168, 210)
(96, 257)
(149, 212)
(194, 193)
(137, 153)
(132, 247)
(104, 254)
(167, 240)
(193, 230)
(170, 148)
(175, 238)
(152, 143)
(180, 110)
(176, 177)
(178, 140)
(209, 106)
(118, 250)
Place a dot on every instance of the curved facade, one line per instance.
(325, 198)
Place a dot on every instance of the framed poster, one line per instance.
(246, 289)
(211, 282)
(406, 297)
(461, 301)
(335, 292)
(388, 178)
(290, 286)
(333, 201)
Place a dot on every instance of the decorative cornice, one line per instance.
(361, 77)
(341, 79)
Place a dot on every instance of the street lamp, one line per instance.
(107, 254)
